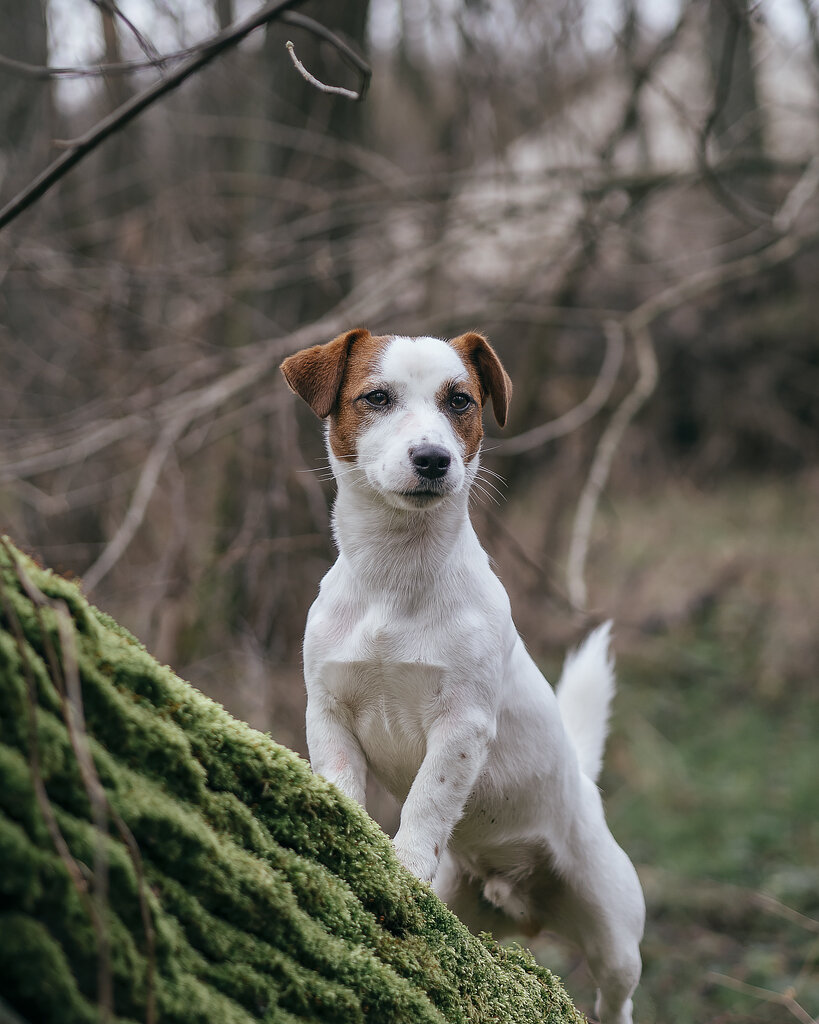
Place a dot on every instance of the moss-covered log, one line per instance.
(160, 861)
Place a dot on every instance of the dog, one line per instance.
(415, 671)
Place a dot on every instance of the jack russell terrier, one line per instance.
(415, 671)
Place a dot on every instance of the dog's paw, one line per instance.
(419, 862)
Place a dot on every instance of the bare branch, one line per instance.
(585, 410)
(785, 999)
(146, 485)
(637, 325)
(113, 9)
(601, 464)
(336, 90)
(346, 52)
(366, 302)
(126, 67)
(158, 61)
(129, 111)
(785, 217)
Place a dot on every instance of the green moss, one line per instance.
(271, 896)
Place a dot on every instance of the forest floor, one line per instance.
(711, 780)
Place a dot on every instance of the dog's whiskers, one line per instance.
(491, 472)
(489, 485)
(479, 489)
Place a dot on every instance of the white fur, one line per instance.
(584, 695)
(415, 671)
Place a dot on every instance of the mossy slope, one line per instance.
(270, 896)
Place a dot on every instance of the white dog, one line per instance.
(415, 670)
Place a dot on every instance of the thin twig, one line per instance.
(808, 182)
(346, 52)
(42, 72)
(733, 203)
(774, 906)
(335, 90)
(75, 717)
(785, 999)
(142, 41)
(90, 441)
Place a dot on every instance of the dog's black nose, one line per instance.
(430, 460)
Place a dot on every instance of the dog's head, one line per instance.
(404, 411)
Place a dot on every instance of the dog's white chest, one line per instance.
(388, 705)
(386, 682)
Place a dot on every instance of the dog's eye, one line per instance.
(378, 399)
(460, 402)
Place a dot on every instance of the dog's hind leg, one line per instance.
(600, 907)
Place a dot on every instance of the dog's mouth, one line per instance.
(422, 497)
(423, 493)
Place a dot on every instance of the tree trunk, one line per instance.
(192, 870)
(25, 103)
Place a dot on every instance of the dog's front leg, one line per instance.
(335, 752)
(456, 752)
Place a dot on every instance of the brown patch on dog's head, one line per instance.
(493, 381)
(316, 373)
(467, 423)
(331, 377)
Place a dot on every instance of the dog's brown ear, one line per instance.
(476, 351)
(316, 373)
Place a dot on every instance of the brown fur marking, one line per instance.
(467, 425)
(348, 414)
(330, 377)
(476, 352)
(316, 373)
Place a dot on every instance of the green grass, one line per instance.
(714, 794)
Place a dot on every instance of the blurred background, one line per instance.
(623, 195)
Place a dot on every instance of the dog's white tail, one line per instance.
(584, 696)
